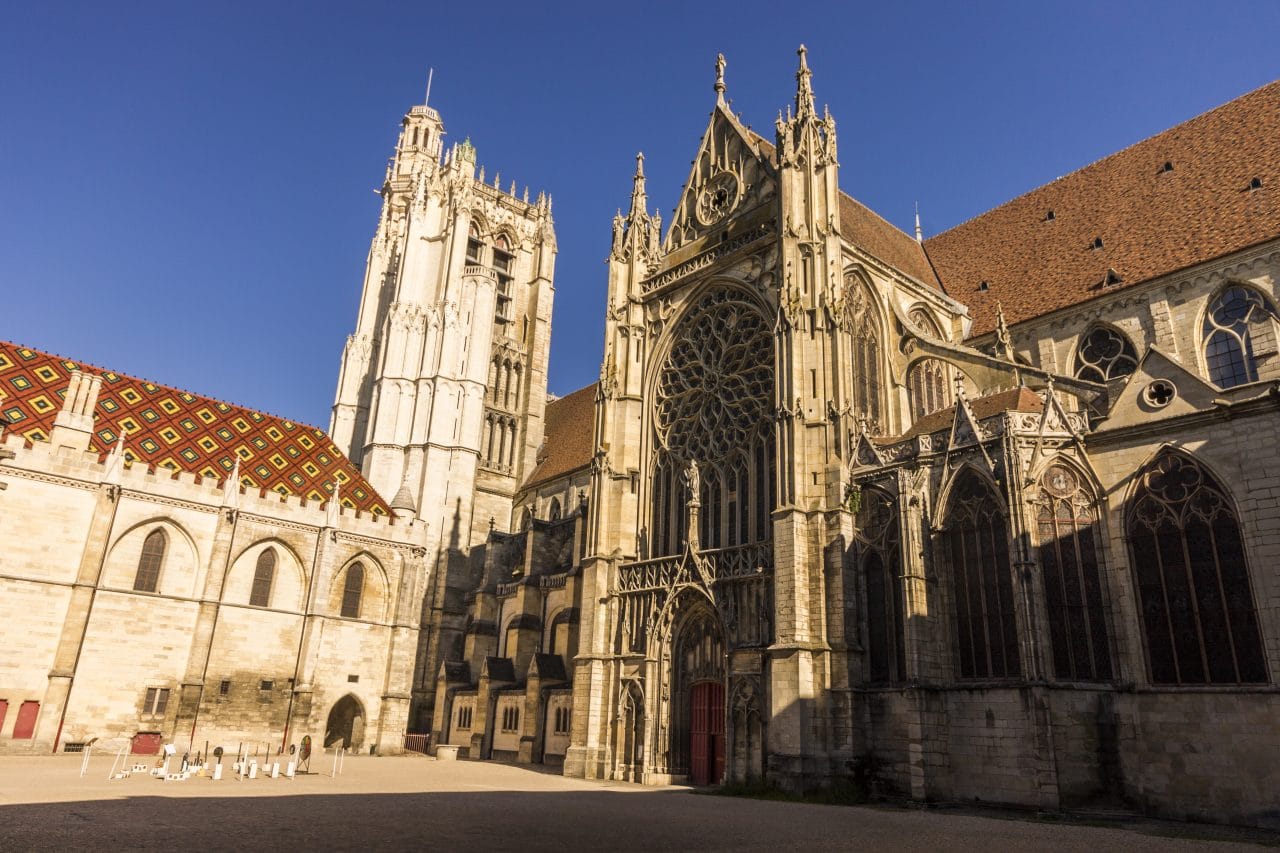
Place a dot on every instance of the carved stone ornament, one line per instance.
(718, 198)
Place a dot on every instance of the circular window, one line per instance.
(1159, 393)
(719, 196)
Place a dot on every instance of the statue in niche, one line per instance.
(693, 479)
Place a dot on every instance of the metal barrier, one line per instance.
(417, 743)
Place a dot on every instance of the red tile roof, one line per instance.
(568, 438)
(1020, 399)
(869, 231)
(174, 429)
(1151, 221)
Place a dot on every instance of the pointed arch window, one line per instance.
(928, 389)
(264, 575)
(1230, 325)
(353, 591)
(976, 545)
(554, 513)
(1066, 520)
(147, 578)
(921, 318)
(1193, 583)
(882, 573)
(1105, 354)
(868, 373)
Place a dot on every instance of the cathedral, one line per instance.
(989, 516)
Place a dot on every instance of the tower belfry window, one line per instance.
(503, 263)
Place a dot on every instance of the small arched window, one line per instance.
(263, 576)
(927, 387)
(526, 519)
(1066, 519)
(976, 544)
(153, 547)
(1228, 338)
(923, 321)
(353, 591)
(1105, 354)
(554, 513)
(1193, 579)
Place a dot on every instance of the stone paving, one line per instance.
(420, 803)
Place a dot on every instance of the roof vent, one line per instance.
(1097, 242)
(1049, 217)
(1167, 167)
(1255, 184)
(984, 285)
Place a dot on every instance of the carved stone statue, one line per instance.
(693, 480)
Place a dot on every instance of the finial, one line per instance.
(639, 164)
(639, 201)
(959, 386)
(1004, 340)
(919, 232)
(719, 87)
(804, 88)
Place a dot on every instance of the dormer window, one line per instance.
(1167, 167)
(1097, 243)
(984, 285)
(1050, 216)
(1255, 184)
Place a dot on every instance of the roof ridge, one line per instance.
(84, 364)
(1192, 120)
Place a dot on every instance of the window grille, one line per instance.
(352, 591)
(928, 387)
(1105, 354)
(1193, 579)
(153, 548)
(976, 544)
(263, 576)
(715, 406)
(1067, 524)
(157, 700)
(1228, 342)
(882, 572)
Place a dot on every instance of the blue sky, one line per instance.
(187, 189)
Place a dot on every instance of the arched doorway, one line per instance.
(698, 712)
(345, 727)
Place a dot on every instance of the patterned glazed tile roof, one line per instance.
(1170, 202)
(169, 428)
(568, 436)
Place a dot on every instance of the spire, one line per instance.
(719, 87)
(403, 501)
(1004, 341)
(804, 85)
(430, 73)
(919, 232)
(639, 200)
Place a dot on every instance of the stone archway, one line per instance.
(698, 698)
(345, 727)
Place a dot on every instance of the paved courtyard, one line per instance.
(419, 803)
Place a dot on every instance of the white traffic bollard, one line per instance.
(217, 772)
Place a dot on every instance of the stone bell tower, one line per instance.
(443, 383)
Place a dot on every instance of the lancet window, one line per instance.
(1193, 579)
(1105, 354)
(1066, 520)
(1229, 331)
(976, 545)
(153, 548)
(928, 387)
(353, 591)
(862, 322)
(882, 574)
(714, 405)
(264, 575)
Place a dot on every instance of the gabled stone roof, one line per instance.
(1151, 220)
(170, 428)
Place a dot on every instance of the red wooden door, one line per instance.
(4, 712)
(706, 733)
(146, 743)
(25, 726)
